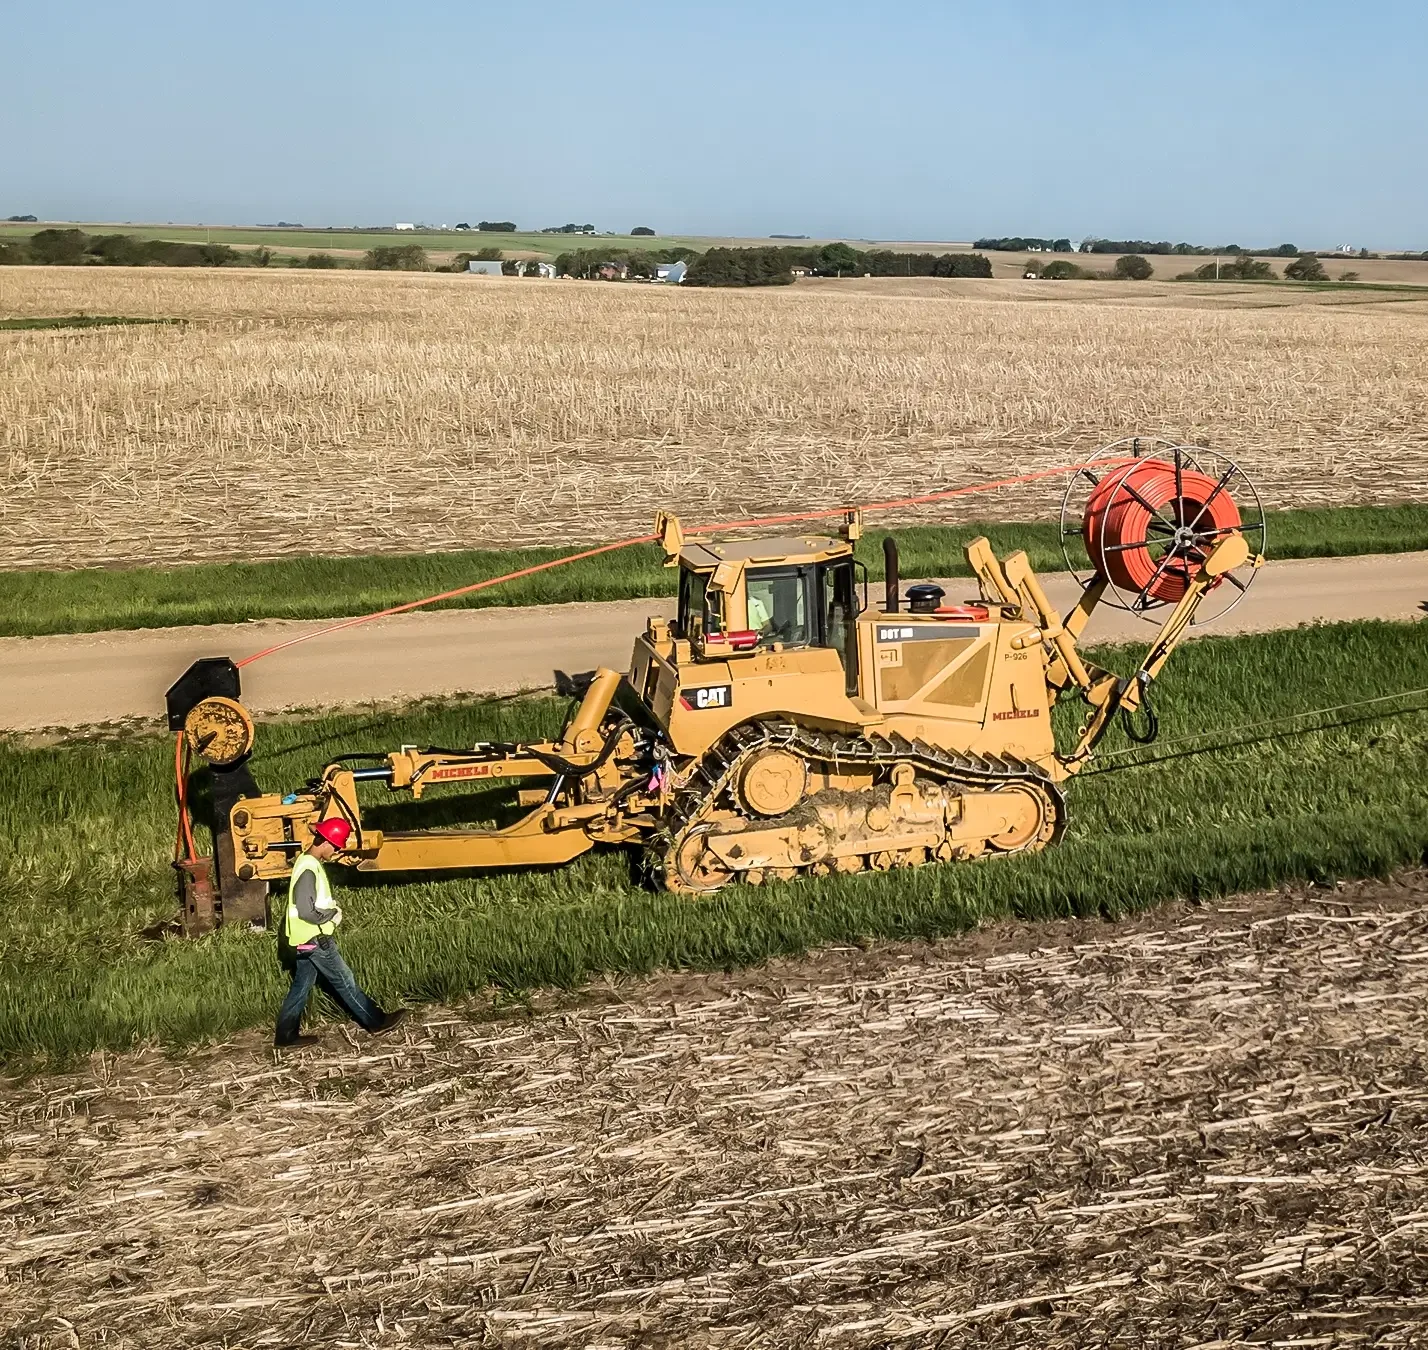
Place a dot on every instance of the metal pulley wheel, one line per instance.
(219, 730)
(1151, 517)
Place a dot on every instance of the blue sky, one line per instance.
(1253, 123)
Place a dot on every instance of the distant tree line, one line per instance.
(1235, 267)
(1164, 247)
(1304, 267)
(585, 263)
(772, 265)
(840, 259)
(1017, 244)
(397, 258)
(73, 248)
(740, 267)
(1131, 267)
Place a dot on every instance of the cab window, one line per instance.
(840, 614)
(779, 609)
(692, 589)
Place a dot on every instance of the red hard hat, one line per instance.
(336, 832)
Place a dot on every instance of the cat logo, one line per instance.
(710, 696)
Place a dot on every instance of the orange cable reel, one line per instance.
(1149, 523)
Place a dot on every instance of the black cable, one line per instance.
(1251, 740)
(1152, 722)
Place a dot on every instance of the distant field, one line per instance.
(350, 244)
(347, 413)
(1152, 294)
(356, 241)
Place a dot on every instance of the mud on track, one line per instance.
(1207, 1126)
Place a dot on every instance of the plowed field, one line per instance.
(1206, 1126)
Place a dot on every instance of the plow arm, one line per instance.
(592, 782)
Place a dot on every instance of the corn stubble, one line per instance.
(1205, 1129)
(360, 413)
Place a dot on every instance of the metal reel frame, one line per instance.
(1177, 538)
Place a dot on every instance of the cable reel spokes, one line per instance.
(1151, 518)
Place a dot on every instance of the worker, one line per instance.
(308, 941)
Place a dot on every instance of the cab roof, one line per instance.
(781, 548)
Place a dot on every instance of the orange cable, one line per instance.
(651, 538)
(185, 837)
(445, 595)
(905, 501)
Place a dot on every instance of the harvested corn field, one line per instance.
(1200, 1127)
(442, 411)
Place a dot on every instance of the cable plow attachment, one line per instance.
(780, 724)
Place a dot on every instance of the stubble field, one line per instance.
(346, 413)
(1203, 1128)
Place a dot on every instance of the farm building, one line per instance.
(484, 269)
(611, 271)
(673, 272)
(404, 225)
(538, 269)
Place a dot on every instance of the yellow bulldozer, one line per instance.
(778, 725)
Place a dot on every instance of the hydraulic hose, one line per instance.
(556, 763)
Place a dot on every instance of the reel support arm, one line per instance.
(1036, 607)
(1109, 694)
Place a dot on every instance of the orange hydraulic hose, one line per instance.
(823, 514)
(185, 832)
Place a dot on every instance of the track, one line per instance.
(97, 678)
(1199, 1127)
(715, 773)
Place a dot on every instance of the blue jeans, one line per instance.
(324, 962)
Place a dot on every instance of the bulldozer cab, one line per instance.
(779, 594)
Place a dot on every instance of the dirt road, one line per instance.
(98, 678)
(1202, 1127)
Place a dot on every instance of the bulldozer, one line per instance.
(779, 725)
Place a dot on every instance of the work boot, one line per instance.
(389, 1020)
(296, 1042)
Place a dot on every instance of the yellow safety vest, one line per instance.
(299, 931)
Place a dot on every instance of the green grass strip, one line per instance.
(86, 830)
(78, 321)
(93, 600)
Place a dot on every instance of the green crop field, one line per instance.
(86, 829)
(96, 599)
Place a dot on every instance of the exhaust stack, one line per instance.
(892, 598)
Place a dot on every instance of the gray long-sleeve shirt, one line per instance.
(305, 898)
